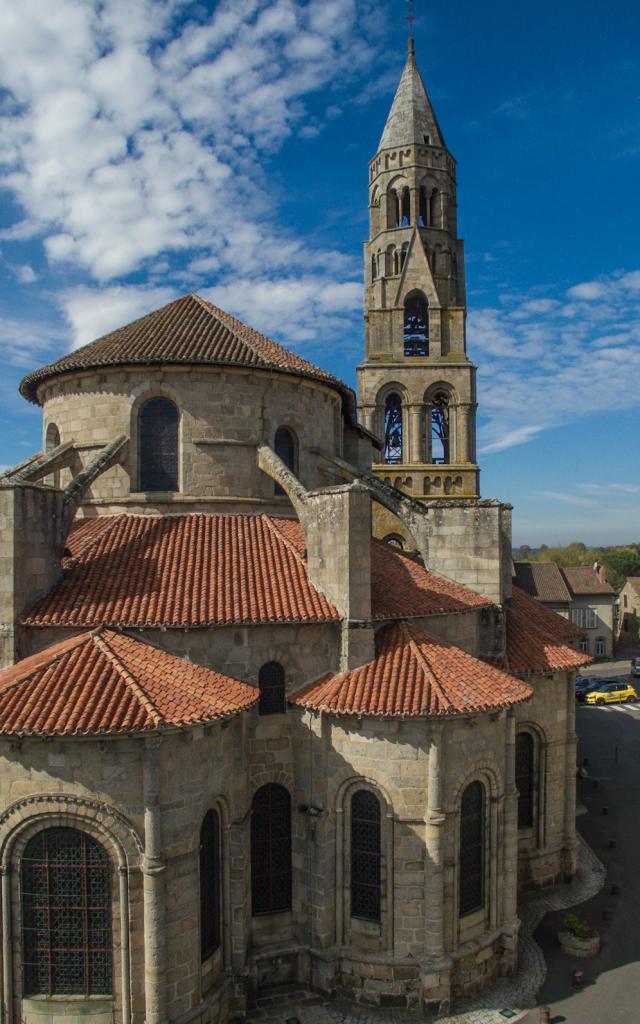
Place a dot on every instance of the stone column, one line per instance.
(510, 922)
(415, 434)
(153, 868)
(570, 841)
(434, 881)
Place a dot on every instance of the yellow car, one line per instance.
(613, 692)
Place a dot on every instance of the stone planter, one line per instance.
(574, 946)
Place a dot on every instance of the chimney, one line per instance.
(602, 573)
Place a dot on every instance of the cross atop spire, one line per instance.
(410, 21)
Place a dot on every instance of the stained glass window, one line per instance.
(393, 429)
(209, 884)
(66, 915)
(271, 683)
(365, 855)
(524, 778)
(158, 425)
(472, 814)
(270, 850)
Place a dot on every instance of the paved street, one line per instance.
(610, 740)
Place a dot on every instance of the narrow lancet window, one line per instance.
(524, 778)
(365, 856)
(471, 880)
(272, 691)
(271, 850)
(209, 885)
(286, 446)
(393, 429)
(158, 428)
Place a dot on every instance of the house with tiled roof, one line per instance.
(579, 593)
(272, 708)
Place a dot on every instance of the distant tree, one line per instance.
(620, 563)
(523, 553)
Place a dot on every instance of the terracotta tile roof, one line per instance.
(201, 569)
(108, 683)
(188, 330)
(542, 580)
(401, 587)
(583, 579)
(188, 570)
(414, 674)
(539, 640)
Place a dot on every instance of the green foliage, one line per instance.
(581, 929)
(620, 562)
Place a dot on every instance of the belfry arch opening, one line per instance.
(440, 437)
(416, 325)
(393, 429)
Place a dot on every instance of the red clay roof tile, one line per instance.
(583, 579)
(414, 674)
(539, 640)
(188, 330)
(542, 580)
(201, 569)
(104, 683)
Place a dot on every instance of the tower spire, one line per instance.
(410, 21)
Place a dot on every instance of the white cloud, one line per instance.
(544, 362)
(25, 274)
(92, 312)
(129, 134)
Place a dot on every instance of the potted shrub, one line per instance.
(578, 938)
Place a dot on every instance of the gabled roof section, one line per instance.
(411, 117)
(414, 675)
(188, 330)
(107, 683)
(542, 580)
(202, 569)
(583, 579)
(539, 640)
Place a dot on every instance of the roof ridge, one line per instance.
(422, 660)
(285, 540)
(101, 643)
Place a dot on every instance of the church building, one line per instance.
(271, 709)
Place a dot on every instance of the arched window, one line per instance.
(406, 207)
(271, 683)
(416, 325)
(51, 442)
(158, 425)
(285, 446)
(393, 429)
(525, 778)
(209, 885)
(270, 850)
(365, 855)
(471, 882)
(65, 879)
(394, 540)
(440, 428)
(393, 209)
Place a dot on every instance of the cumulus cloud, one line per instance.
(92, 312)
(130, 132)
(545, 361)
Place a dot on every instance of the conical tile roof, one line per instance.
(414, 674)
(188, 330)
(106, 683)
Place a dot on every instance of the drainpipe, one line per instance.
(153, 868)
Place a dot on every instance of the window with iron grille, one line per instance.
(158, 425)
(525, 778)
(271, 683)
(270, 850)
(365, 855)
(285, 448)
(65, 880)
(209, 884)
(472, 813)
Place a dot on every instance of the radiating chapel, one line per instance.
(271, 709)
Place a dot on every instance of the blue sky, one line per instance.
(151, 148)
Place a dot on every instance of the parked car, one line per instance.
(586, 683)
(611, 691)
(635, 666)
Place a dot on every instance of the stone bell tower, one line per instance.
(416, 386)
